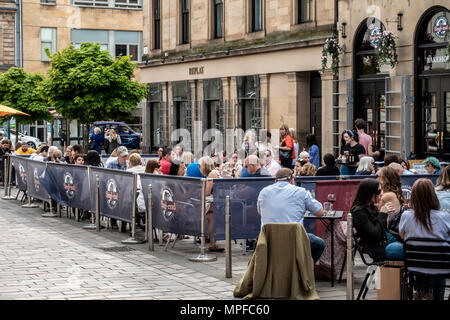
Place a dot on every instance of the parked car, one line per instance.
(129, 138)
(33, 142)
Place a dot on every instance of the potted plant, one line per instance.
(386, 50)
(331, 48)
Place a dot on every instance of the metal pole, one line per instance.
(149, 224)
(202, 257)
(133, 239)
(97, 203)
(228, 239)
(8, 164)
(350, 290)
(91, 225)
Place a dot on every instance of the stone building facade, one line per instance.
(7, 36)
(207, 58)
(56, 24)
(407, 107)
(233, 64)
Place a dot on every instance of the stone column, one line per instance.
(264, 95)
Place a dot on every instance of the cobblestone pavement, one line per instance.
(55, 258)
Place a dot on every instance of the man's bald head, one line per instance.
(397, 167)
(252, 163)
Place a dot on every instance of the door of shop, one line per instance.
(436, 116)
(372, 108)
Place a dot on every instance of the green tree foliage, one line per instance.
(19, 90)
(87, 84)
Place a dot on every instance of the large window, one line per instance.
(122, 4)
(256, 10)
(156, 24)
(304, 11)
(218, 18)
(125, 43)
(48, 40)
(249, 102)
(184, 21)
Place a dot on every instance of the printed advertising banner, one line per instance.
(36, 170)
(21, 166)
(68, 185)
(115, 193)
(176, 203)
(245, 220)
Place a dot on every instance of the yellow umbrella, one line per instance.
(4, 111)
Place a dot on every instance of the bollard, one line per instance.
(133, 239)
(149, 220)
(228, 239)
(7, 175)
(350, 281)
(202, 257)
(97, 204)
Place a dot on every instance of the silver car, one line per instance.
(32, 142)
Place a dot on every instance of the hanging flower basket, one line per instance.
(331, 48)
(386, 50)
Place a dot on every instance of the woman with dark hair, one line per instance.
(287, 151)
(351, 152)
(93, 159)
(313, 150)
(425, 220)
(370, 222)
(329, 169)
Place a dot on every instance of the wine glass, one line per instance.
(331, 199)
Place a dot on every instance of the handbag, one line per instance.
(284, 154)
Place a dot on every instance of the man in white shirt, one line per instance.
(271, 165)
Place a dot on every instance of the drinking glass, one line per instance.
(331, 198)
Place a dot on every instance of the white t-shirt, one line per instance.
(440, 222)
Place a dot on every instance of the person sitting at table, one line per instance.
(366, 166)
(370, 222)
(308, 169)
(329, 169)
(284, 202)
(442, 189)
(432, 165)
(355, 151)
(426, 220)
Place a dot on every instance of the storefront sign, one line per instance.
(441, 27)
(438, 59)
(374, 36)
(196, 70)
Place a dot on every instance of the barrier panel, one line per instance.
(35, 170)
(21, 166)
(115, 193)
(68, 185)
(243, 192)
(176, 203)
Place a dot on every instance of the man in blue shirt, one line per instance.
(284, 202)
(121, 162)
(193, 170)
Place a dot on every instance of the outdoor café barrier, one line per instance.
(177, 205)
(243, 195)
(34, 171)
(117, 197)
(21, 165)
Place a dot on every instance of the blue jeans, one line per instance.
(317, 246)
(394, 249)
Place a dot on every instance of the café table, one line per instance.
(331, 216)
